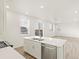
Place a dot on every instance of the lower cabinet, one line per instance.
(33, 48)
(43, 51)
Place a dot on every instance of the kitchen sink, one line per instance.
(39, 39)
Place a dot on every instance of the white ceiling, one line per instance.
(53, 9)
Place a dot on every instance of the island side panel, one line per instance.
(60, 52)
(71, 49)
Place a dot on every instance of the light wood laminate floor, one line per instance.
(26, 55)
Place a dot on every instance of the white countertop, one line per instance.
(9, 53)
(47, 40)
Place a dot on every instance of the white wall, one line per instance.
(12, 34)
(68, 29)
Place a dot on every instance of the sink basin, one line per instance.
(39, 39)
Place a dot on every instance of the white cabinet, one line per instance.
(1, 16)
(33, 48)
(28, 46)
(38, 24)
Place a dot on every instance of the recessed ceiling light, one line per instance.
(41, 6)
(75, 11)
(7, 6)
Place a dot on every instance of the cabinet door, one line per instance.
(37, 24)
(37, 50)
(33, 48)
(1, 16)
(28, 46)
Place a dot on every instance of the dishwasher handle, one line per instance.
(49, 47)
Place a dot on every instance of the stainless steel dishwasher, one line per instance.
(49, 52)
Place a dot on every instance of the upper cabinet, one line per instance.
(35, 26)
(38, 25)
(24, 24)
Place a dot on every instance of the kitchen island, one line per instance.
(37, 49)
(71, 48)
